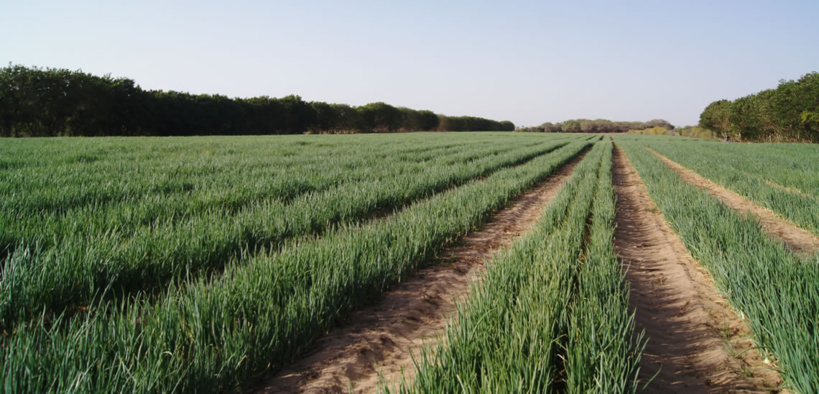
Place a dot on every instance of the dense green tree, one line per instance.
(471, 123)
(571, 126)
(413, 120)
(715, 117)
(428, 120)
(410, 119)
(598, 126)
(507, 126)
(781, 114)
(378, 118)
(52, 102)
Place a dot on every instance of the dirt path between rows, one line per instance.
(696, 342)
(379, 340)
(799, 240)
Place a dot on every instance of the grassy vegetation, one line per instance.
(551, 313)
(783, 179)
(688, 131)
(156, 265)
(212, 334)
(66, 258)
(658, 130)
(774, 289)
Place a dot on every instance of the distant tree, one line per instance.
(379, 118)
(506, 126)
(551, 128)
(600, 126)
(810, 121)
(660, 123)
(781, 114)
(348, 118)
(428, 120)
(325, 118)
(571, 126)
(410, 119)
(715, 117)
(51, 102)
(748, 117)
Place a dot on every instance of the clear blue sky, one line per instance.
(524, 61)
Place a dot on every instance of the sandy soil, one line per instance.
(379, 340)
(696, 342)
(798, 239)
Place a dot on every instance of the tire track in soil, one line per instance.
(696, 342)
(796, 238)
(380, 340)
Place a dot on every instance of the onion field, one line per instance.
(209, 264)
(781, 177)
(776, 290)
(551, 313)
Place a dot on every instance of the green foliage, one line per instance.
(786, 181)
(772, 287)
(267, 305)
(59, 102)
(810, 120)
(781, 114)
(551, 314)
(715, 118)
(471, 123)
(687, 131)
(693, 132)
(37, 102)
(597, 126)
(651, 131)
(379, 118)
(194, 226)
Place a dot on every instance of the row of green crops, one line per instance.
(197, 179)
(217, 333)
(120, 194)
(135, 182)
(776, 290)
(754, 171)
(551, 313)
(84, 260)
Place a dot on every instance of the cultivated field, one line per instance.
(477, 262)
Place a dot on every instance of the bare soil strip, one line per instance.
(696, 342)
(798, 239)
(379, 339)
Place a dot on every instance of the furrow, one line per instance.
(377, 343)
(798, 239)
(689, 326)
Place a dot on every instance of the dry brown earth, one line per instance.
(696, 342)
(378, 341)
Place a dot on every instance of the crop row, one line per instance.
(765, 281)
(119, 194)
(80, 266)
(785, 182)
(207, 179)
(211, 334)
(150, 209)
(551, 313)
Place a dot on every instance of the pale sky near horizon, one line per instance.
(525, 61)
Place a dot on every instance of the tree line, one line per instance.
(788, 113)
(60, 102)
(597, 126)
